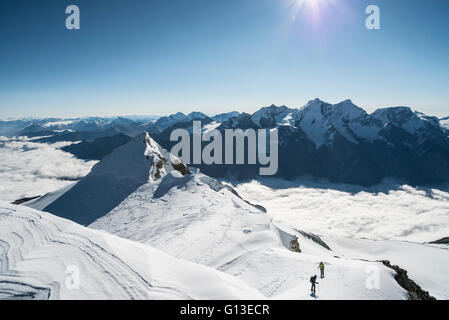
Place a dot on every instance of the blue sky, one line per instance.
(160, 56)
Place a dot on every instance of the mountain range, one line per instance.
(340, 142)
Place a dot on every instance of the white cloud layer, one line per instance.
(385, 211)
(30, 169)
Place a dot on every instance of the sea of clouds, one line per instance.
(386, 211)
(30, 169)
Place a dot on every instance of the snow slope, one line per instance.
(113, 179)
(44, 201)
(196, 218)
(182, 211)
(38, 251)
(426, 264)
(224, 232)
(110, 181)
(314, 123)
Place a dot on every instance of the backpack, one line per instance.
(311, 279)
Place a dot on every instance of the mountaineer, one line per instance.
(321, 267)
(313, 281)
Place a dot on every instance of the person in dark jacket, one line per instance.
(313, 281)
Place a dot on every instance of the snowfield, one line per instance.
(426, 264)
(199, 220)
(38, 251)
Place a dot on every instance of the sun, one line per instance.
(311, 3)
(314, 9)
(314, 2)
(315, 5)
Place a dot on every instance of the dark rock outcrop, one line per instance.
(414, 291)
(441, 241)
(23, 200)
(181, 167)
(294, 245)
(315, 239)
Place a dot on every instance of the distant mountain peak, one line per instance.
(271, 116)
(177, 115)
(195, 115)
(393, 111)
(315, 101)
(346, 109)
(405, 118)
(222, 117)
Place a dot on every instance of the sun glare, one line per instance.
(314, 2)
(313, 7)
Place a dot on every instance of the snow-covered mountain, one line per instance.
(166, 122)
(343, 143)
(320, 121)
(108, 184)
(271, 117)
(222, 117)
(444, 122)
(193, 217)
